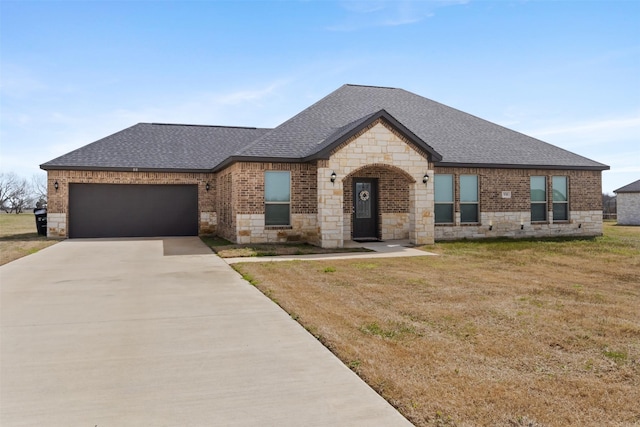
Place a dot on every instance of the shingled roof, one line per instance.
(634, 187)
(460, 138)
(450, 136)
(158, 146)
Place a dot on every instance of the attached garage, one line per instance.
(132, 210)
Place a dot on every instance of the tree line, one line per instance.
(18, 194)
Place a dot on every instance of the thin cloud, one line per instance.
(18, 82)
(596, 126)
(624, 129)
(386, 13)
(242, 96)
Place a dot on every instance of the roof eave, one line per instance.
(257, 159)
(122, 169)
(520, 166)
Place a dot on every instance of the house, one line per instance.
(362, 163)
(628, 203)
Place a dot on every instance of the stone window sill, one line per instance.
(278, 227)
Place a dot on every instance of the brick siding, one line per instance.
(393, 200)
(511, 217)
(58, 200)
(585, 187)
(234, 206)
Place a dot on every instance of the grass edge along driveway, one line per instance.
(506, 333)
(19, 238)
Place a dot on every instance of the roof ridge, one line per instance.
(372, 86)
(204, 126)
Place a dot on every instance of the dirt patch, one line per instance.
(226, 249)
(507, 333)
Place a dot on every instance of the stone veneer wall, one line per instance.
(58, 200)
(511, 217)
(381, 147)
(628, 208)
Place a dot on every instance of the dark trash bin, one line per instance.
(41, 220)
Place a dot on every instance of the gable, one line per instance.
(379, 144)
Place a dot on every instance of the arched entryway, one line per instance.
(377, 203)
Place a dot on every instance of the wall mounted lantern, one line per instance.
(207, 187)
(490, 225)
(56, 186)
(333, 177)
(425, 178)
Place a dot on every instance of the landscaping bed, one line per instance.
(226, 249)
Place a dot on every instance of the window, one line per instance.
(277, 198)
(443, 198)
(468, 198)
(538, 198)
(560, 198)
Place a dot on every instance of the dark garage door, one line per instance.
(118, 210)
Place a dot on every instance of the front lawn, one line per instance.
(501, 333)
(19, 237)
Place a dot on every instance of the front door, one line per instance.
(365, 209)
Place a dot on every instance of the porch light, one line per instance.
(207, 187)
(333, 177)
(490, 225)
(55, 185)
(425, 178)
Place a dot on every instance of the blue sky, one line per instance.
(72, 72)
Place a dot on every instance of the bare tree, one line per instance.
(7, 184)
(609, 208)
(15, 193)
(39, 190)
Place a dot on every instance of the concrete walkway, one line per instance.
(162, 332)
(386, 249)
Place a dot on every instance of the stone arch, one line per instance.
(410, 179)
(393, 200)
(377, 149)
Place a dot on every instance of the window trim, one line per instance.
(544, 202)
(565, 202)
(451, 203)
(476, 202)
(266, 202)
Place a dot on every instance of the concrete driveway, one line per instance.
(161, 333)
